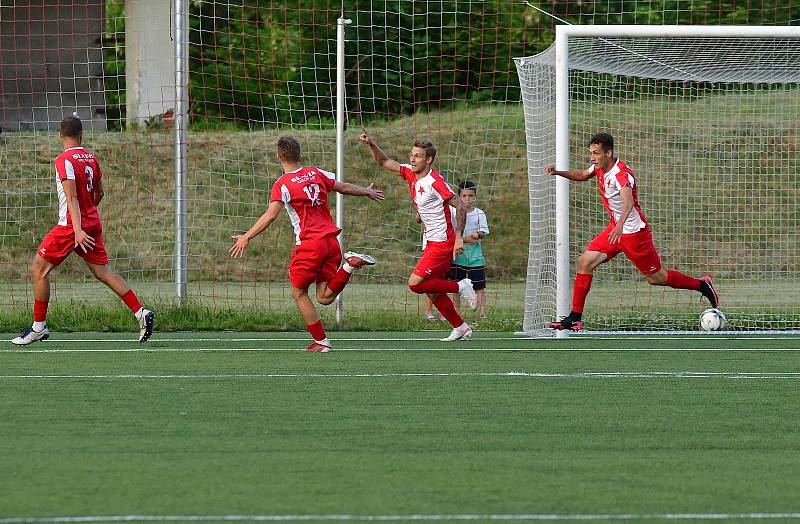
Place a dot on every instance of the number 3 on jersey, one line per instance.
(312, 190)
(89, 179)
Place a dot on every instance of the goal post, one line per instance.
(664, 80)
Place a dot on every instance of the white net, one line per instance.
(710, 127)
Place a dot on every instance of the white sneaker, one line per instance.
(467, 292)
(460, 333)
(357, 260)
(146, 325)
(29, 336)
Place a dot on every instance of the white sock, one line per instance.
(325, 342)
(39, 326)
(139, 313)
(461, 286)
(462, 327)
(347, 267)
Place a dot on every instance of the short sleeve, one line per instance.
(624, 178)
(443, 189)
(483, 224)
(279, 193)
(64, 169)
(328, 178)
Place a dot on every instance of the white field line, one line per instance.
(516, 374)
(444, 347)
(398, 518)
(304, 337)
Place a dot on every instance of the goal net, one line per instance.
(710, 127)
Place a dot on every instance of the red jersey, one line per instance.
(304, 193)
(610, 184)
(430, 195)
(77, 164)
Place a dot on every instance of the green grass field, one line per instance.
(397, 426)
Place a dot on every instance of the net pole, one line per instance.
(341, 22)
(562, 184)
(181, 132)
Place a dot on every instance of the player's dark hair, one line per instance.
(427, 145)
(468, 184)
(71, 127)
(603, 139)
(288, 149)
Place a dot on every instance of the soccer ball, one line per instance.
(712, 320)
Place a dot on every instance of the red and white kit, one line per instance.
(81, 166)
(636, 241)
(304, 193)
(430, 195)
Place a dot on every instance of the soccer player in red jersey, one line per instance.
(80, 189)
(432, 199)
(303, 192)
(628, 232)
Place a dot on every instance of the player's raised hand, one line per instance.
(83, 240)
(364, 137)
(374, 194)
(550, 170)
(239, 245)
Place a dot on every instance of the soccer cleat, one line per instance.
(566, 323)
(431, 318)
(146, 325)
(467, 292)
(459, 333)
(708, 291)
(316, 347)
(30, 336)
(357, 260)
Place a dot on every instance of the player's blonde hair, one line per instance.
(427, 145)
(288, 149)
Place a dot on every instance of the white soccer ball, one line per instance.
(712, 320)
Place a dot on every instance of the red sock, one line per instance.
(678, 280)
(317, 331)
(583, 283)
(131, 301)
(435, 285)
(339, 280)
(39, 311)
(448, 310)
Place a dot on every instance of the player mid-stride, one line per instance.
(303, 192)
(433, 198)
(80, 189)
(628, 232)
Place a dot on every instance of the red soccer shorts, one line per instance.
(314, 261)
(435, 261)
(60, 242)
(638, 247)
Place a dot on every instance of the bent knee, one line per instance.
(322, 299)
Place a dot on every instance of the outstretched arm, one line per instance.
(354, 190)
(241, 241)
(579, 175)
(377, 153)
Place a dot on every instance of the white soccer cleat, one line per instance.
(30, 336)
(357, 260)
(460, 333)
(146, 325)
(467, 292)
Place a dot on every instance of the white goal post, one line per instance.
(565, 90)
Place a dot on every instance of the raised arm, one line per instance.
(377, 153)
(241, 241)
(579, 175)
(354, 190)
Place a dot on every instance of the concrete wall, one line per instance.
(51, 63)
(149, 60)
